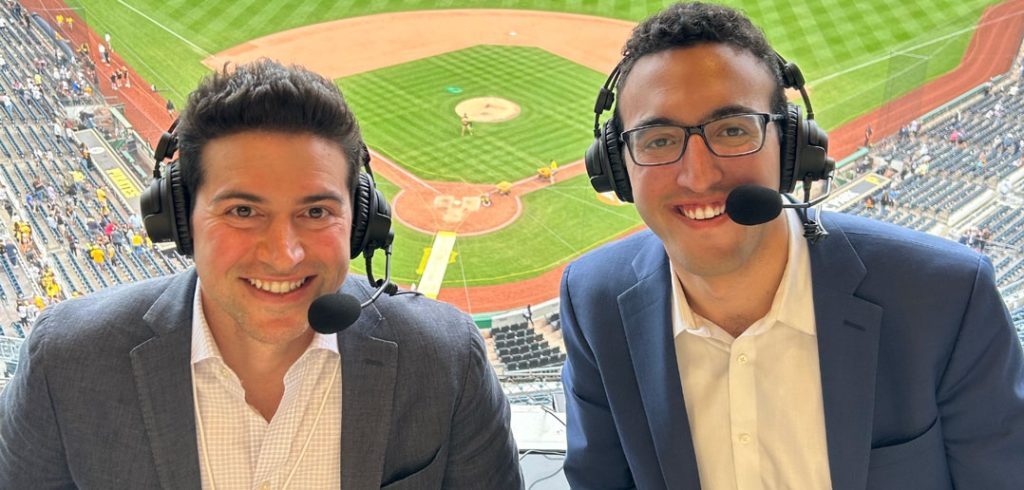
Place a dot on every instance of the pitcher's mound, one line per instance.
(488, 109)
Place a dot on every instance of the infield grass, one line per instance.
(407, 114)
(855, 56)
(843, 47)
(558, 223)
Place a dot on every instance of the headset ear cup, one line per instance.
(604, 163)
(361, 206)
(596, 161)
(179, 205)
(814, 160)
(790, 141)
(620, 176)
(371, 219)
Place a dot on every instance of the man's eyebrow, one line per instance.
(718, 113)
(250, 197)
(242, 196)
(730, 110)
(325, 196)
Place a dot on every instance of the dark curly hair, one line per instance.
(689, 24)
(264, 95)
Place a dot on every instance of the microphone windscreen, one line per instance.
(753, 204)
(333, 313)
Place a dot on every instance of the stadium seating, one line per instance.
(941, 177)
(33, 154)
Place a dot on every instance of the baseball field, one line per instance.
(411, 71)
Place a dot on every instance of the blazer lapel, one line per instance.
(163, 379)
(848, 333)
(647, 321)
(369, 369)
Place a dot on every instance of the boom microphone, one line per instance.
(753, 205)
(332, 313)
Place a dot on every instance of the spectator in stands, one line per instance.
(887, 199)
(7, 104)
(23, 313)
(97, 255)
(4, 250)
(701, 354)
(137, 242)
(11, 252)
(72, 242)
(180, 368)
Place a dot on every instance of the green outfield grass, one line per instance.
(407, 114)
(854, 55)
(165, 40)
(558, 223)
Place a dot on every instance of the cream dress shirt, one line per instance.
(241, 450)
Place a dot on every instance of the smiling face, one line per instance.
(271, 226)
(683, 202)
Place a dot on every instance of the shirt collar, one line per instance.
(205, 347)
(793, 304)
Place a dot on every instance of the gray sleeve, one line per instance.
(31, 449)
(483, 453)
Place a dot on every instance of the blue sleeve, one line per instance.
(981, 394)
(594, 456)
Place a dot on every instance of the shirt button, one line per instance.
(742, 358)
(265, 485)
(744, 438)
(223, 372)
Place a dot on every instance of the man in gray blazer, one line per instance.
(213, 378)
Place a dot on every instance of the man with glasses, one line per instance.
(705, 353)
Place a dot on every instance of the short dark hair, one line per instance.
(264, 95)
(688, 24)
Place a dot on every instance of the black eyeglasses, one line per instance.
(729, 136)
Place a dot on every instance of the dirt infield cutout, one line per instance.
(488, 109)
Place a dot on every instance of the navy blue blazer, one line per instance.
(922, 373)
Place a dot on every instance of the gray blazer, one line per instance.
(102, 397)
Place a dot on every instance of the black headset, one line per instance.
(165, 206)
(803, 155)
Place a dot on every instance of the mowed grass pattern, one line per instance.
(558, 223)
(843, 47)
(407, 114)
(848, 51)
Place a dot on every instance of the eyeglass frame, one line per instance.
(699, 130)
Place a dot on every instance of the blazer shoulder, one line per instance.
(103, 318)
(426, 327)
(613, 259)
(881, 244)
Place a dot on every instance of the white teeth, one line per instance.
(704, 212)
(277, 287)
